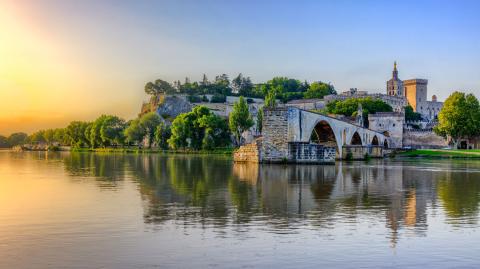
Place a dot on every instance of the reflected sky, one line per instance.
(137, 211)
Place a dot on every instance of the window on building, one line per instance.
(394, 125)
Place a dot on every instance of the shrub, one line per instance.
(218, 98)
(194, 99)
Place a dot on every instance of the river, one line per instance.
(85, 210)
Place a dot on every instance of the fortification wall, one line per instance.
(423, 139)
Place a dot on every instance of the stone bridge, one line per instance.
(290, 131)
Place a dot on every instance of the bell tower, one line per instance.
(395, 85)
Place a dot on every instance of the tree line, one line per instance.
(198, 129)
(286, 89)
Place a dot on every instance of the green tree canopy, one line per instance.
(271, 100)
(37, 137)
(197, 129)
(319, 89)
(4, 142)
(240, 119)
(459, 117)
(159, 86)
(112, 130)
(162, 134)
(411, 115)
(60, 135)
(135, 132)
(149, 123)
(17, 139)
(95, 138)
(76, 134)
(349, 107)
(260, 120)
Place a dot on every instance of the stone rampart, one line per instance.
(422, 139)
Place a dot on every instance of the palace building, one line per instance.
(415, 92)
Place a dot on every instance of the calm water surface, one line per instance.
(82, 210)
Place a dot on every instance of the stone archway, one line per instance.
(356, 139)
(375, 141)
(323, 134)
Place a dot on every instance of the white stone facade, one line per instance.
(390, 124)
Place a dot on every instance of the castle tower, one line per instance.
(416, 93)
(395, 85)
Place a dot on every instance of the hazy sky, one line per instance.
(64, 60)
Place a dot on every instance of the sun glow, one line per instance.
(35, 73)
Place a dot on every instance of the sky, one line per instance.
(64, 60)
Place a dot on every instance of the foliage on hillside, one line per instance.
(285, 89)
(411, 115)
(349, 107)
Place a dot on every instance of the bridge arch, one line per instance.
(375, 141)
(323, 134)
(356, 139)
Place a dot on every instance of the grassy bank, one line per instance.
(223, 151)
(441, 153)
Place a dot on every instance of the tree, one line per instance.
(411, 115)
(37, 137)
(160, 86)
(59, 135)
(112, 130)
(237, 83)
(260, 120)
(349, 107)
(3, 142)
(149, 123)
(94, 137)
(459, 117)
(319, 89)
(240, 119)
(48, 135)
(270, 100)
(134, 133)
(17, 139)
(197, 129)
(162, 134)
(76, 134)
(218, 98)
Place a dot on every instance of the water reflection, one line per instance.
(213, 192)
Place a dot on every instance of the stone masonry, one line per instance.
(249, 152)
(275, 135)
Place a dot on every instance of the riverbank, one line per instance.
(221, 151)
(441, 153)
